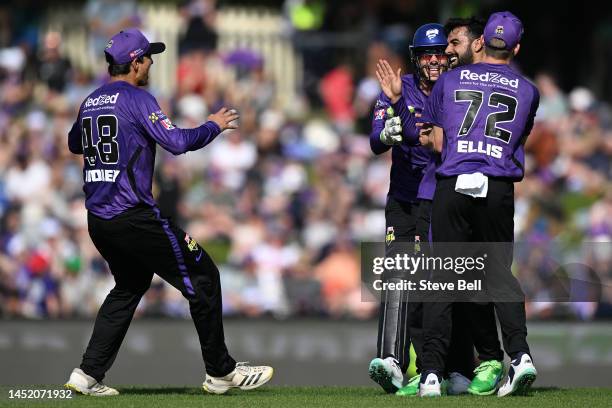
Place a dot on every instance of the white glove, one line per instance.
(392, 133)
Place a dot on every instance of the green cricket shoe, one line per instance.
(411, 389)
(488, 376)
(386, 373)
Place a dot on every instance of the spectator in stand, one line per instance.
(282, 204)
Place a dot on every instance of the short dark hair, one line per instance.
(121, 69)
(117, 69)
(497, 53)
(475, 25)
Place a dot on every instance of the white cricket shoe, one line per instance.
(431, 387)
(457, 384)
(87, 385)
(521, 375)
(386, 373)
(244, 376)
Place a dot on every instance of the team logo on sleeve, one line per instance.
(161, 117)
(167, 124)
(379, 114)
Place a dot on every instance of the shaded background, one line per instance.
(283, 203)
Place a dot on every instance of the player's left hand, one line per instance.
(425, 136)
(392, 133)
(424, 132)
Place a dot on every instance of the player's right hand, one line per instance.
(392, 132)
(224, 118)
(390, 81)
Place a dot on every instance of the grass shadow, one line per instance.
(186, 391)
(160, 390)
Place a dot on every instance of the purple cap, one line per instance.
(504, 26)
(130, 44)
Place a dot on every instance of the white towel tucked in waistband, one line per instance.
(474, 185)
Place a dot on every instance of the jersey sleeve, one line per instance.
(434, 108)
(173, 139)
(75, 144)
(532, 113)
(378, 124)
(410, 132)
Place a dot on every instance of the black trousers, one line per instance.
(459, 218)
(401, 320)
(136, 244)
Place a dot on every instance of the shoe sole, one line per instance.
(218, 390)
(73, 388)
(81, 392)
(523, 383)
(379, 375)
(430, 395)
(415, 394)
(482, 393)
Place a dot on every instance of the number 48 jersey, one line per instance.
(486, 112)
(116, 131)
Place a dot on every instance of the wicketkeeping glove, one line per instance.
(392, 133)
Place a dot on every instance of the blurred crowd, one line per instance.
(281, 204)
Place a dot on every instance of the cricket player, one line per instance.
(117, 130)
(464, 46)
(394, 128)
(481, 116)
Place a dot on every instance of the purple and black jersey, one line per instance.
(486, 112)
(427, 188)
(409, 159)
(116, 131)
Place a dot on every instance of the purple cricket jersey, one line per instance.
(409, 159)
(427, 188)
(487, 112)
(116, 131)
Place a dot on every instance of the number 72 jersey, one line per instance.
(486, 112)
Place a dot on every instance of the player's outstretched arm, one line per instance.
(176, 140)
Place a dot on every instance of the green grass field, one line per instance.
(335, 397)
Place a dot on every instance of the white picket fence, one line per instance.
(238, 28)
